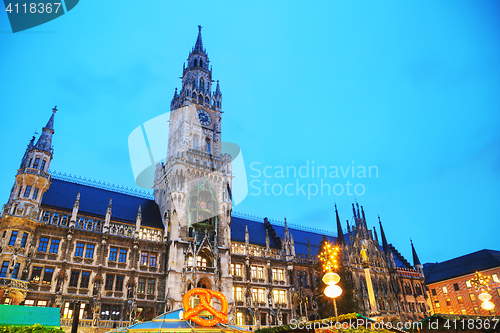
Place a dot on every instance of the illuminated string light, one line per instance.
(481, 283)
(329, 257)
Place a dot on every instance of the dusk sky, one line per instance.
(408, 87)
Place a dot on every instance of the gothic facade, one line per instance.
(128, 255)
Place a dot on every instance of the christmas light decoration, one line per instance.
(481, 283)
(329, 258)
(330, 263)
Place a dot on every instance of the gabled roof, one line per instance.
(399, 260)
(467, 264)
(94, 201)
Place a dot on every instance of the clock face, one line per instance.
(204, 117)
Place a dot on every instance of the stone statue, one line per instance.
(133, 312)
(364, 256)
(97, 288)
(96, 313)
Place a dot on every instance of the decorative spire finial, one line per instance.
(54, 110)
(199, 43)
(340, 232)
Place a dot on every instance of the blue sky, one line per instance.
(410, 87)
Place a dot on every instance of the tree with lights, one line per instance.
(330, 260)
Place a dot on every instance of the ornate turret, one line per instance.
(197, 81)
(33, 179)
(287, 243)
(138, 222)
(76, 207)
(45, 139)
(107, 219)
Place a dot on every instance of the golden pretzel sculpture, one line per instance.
(206, 296)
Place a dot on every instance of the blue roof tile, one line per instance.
(94, 201)
(256, 232)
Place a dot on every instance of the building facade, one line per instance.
(451, 290)
(127, 255)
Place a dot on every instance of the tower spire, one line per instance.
(354, 213)
(197, 81)
(45, 140)
(24, 161)
(198, 46)
(340, 233)
(416, 261)
(32, 179)
(385, 246)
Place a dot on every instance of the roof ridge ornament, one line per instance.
(298, 227)
(102, 185)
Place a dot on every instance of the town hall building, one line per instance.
(127, 255)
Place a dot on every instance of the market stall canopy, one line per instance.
(171, 322)
(17, 315)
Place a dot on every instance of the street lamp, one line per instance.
(485, 297)
(332, 290)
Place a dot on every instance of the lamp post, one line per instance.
(332, 290)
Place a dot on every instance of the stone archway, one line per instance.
(204, 283)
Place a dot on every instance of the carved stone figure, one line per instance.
(363, 254)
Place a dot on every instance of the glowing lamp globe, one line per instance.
(331, 278)
(487, 305)
(485, 296)
(333, 291)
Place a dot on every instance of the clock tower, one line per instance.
(193, 186)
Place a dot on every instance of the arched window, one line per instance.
(200, 98)
(202, 84)
(201, 261)
(207, 146)
(201, 62)
(207, 100)
(42, 167)
(193, 95)
(195, 62)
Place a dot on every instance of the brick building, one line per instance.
(450, 287)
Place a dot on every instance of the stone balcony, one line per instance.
(14, 289)
(33, 171)
(14, 283)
